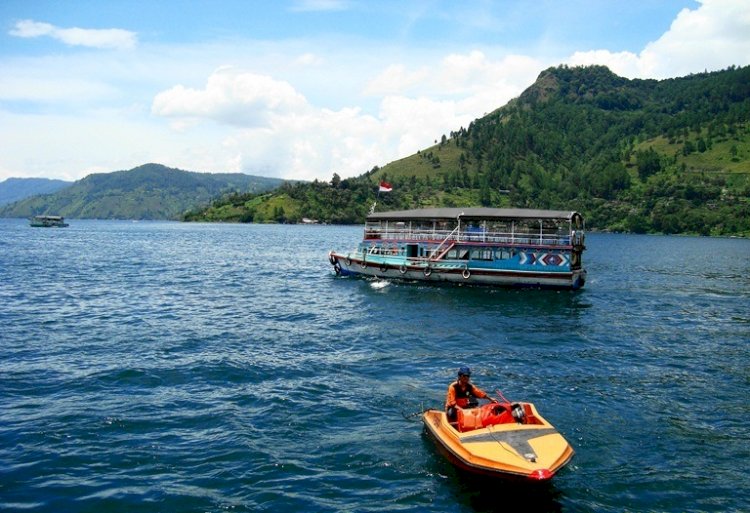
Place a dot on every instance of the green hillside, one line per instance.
(669, 156)
(16, 189)
(151, 191)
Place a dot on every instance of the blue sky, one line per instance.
(301, 89)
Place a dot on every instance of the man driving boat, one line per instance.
(462, 393)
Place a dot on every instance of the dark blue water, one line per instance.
(174, 367)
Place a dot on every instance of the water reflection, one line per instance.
(514, 302)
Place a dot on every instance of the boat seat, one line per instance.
(469, 418)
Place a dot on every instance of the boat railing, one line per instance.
(468, 235)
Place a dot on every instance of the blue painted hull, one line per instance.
(511, 274)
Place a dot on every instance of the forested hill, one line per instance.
(151, 191)
(15, 189)
(669, 156)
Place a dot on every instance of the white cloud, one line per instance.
(312, 145)
(450, 94)
(493, 81)
(233, 97)
(30, 28)
(282, 134)
(462, 72)
(459, 76)
(271, 129)
(416, 123)
(95, 38)
(626, 64)
(711, 37)
(397, 78)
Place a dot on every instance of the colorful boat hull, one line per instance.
(452, 272)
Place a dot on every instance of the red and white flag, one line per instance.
(385, 187)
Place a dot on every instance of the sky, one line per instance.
(303, 89)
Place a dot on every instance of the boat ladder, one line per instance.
(444, 251)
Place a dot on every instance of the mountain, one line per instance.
(663, 156)
(16, 189)
(151, 191)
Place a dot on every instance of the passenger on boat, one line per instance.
(463, 394)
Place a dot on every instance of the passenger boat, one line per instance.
(500, 440)
(484, 246)
(48, 222)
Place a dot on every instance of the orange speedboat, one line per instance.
(500, 439)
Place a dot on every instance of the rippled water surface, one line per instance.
(191, 367)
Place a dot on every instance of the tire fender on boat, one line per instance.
(427, 271)
(383, 268)
(332, 259)
(337, 268)
(466, 274)
(402, 269)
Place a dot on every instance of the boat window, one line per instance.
(457, 254)
(503, 254)
(481, 254)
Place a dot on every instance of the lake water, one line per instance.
(173, 367)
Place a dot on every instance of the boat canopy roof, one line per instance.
(472, 213)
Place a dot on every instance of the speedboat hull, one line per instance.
(503, 445)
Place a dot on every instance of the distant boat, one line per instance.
(48, 222)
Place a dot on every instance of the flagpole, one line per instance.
(381, 185)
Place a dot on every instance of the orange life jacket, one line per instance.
(463, 397)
